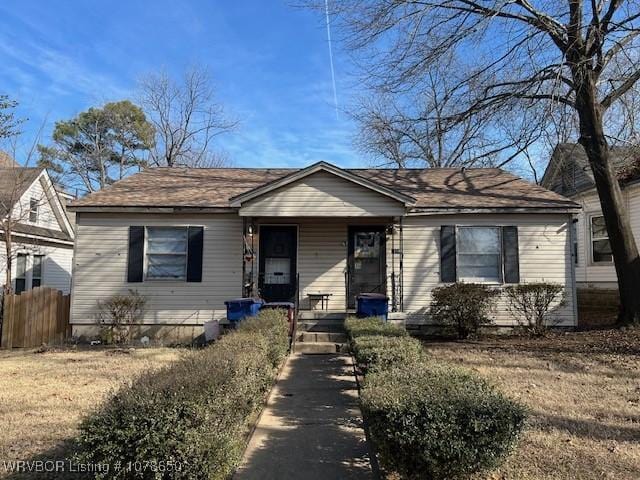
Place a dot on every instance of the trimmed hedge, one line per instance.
(192, 417)
(429, 420)
(272, 325)
(359, 327)
(376, 352)
(439, 421)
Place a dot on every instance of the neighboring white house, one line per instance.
(569, 174)
(189, 239)
(42, 235)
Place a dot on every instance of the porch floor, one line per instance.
(312, 425)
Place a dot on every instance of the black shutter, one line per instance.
(194, 258)
(510, 256)
(136, 255)
(448, 253)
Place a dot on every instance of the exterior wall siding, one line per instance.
(544, 251)
(56, 271)
(100, 269)
(322, 256)
(100, 263)
(322, 195)
(46, 216)
(597, 274)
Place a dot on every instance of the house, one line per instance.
(569, 174)
(41, 234)
(189, 239)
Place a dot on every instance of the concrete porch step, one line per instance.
(334, 325)
(333, 337)
(322, 314)
(320, 347)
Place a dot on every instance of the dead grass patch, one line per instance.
(45, 394)
(583, 390)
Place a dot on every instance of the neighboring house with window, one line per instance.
(569, 174)
(190, 239)
(41, 233)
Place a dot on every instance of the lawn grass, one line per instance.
(583, 390)
(44, 395)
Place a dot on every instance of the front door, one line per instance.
(278, 259)
(366, 266)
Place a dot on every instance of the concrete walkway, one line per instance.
(312, 425)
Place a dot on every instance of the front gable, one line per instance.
(322, 194)
(51, 212)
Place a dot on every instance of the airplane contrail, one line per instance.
(333, 73)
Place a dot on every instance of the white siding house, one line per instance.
(190, 239)
(593, 260)
(42, 236)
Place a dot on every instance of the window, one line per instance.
(33, 210)
(479, 254)
(36, 271)
(21, 273)
(29, 270)
(166, 253)
(600, 246)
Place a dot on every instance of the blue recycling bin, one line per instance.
(239, 308)
(372, 305)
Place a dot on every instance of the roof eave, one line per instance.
(485, 210)
(148, 209)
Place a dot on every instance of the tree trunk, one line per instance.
(8, 243)
(623, 245)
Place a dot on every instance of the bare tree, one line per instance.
(16, 208)
(186, 116)
(578, 55)
(416, 128)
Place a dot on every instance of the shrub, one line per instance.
(193, 414)
(358, 327)
(273, 325)
(438, 421)
(378, 352)
(532, 302)
(465, 306)
(118, 314)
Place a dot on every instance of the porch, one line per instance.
(322, 263)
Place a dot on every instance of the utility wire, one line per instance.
(333, 73)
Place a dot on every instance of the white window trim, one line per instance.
(146, 261)
(594, 239)
(500, 261)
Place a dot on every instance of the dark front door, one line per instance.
(367, 262)
(278, 263)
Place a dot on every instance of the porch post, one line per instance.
(248, 256)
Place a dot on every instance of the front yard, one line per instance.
(44, 395)
(583, 390)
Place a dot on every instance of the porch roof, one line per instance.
(420, 189)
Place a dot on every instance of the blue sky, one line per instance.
(269, 61)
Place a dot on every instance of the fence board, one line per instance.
(37, 316)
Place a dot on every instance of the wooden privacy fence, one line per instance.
(34, 317)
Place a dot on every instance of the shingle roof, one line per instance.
(13, 183)
(41, 232)
(568, 171)
(432, 188)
